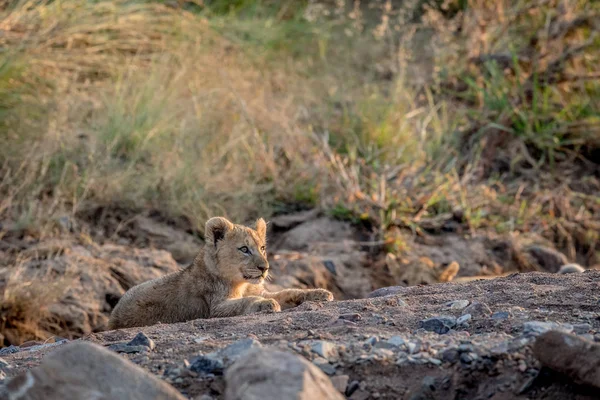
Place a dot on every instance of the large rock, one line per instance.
(570, 355)
(340, 270)
(264, 374)
(318, 231)
(85, 371)
(92, 279)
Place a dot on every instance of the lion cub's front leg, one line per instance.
(244, 306)
(288, 298)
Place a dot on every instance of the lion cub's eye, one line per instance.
(244, 250)
(263, 248)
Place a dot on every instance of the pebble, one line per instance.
(127, 349)
(434, 361)
(468, 358)
(327, 368)
(142, 340)
(500, 315)
(478, 310)
(535, 328)
(440, 325)
(237, 349)
(396, 341)
(463, 319)
(4, 364)
(353, 317)
(458, 305)
(385, 353)
(352, 387)
(340, 382)
(387, 291)
(450, 355)
(412, 347)
(372, 340)
(581, 328)
(9, 350)
(324, 349)
(199, 340)
(587, 336)
(207, 365)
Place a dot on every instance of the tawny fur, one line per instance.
(225, 279)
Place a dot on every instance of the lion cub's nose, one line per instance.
(262, 268)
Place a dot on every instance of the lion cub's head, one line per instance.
(239, 252)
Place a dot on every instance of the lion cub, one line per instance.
(224, 280)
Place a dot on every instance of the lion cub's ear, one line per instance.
(216, 228)
(261, 228)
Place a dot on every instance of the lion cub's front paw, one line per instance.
(318, 295)
(269, 305)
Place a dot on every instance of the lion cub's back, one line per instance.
(158, 300)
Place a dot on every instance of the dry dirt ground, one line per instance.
(418, 340)
(381, 347)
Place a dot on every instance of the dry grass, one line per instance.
(24, 313)
(480, 112)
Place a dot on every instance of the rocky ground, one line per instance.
(454, 340)
(469, 338)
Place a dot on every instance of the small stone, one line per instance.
(396, 341)
(535, 328)
(353, 317)
(352, 387)
(237, 349)
(478, 310)
(384, 353)
(458, 305)
(465, 347)
(4, 365)
(500, 315)
(142, 340)
(450, 355)
(207, 365)
(587, 336)
(360, 394)
(324, 349)
(412, 347)
(468, 358)
(434, 361)
(9, 350)
(372, 340)
(463, 319)
(199, 340)
(428, 382)
(384, 345)
(127, 349)
(581, 328)
(340, 382)
(387, 291)
(440, 325)
(327, 368)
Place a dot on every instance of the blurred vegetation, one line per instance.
(395, 113)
